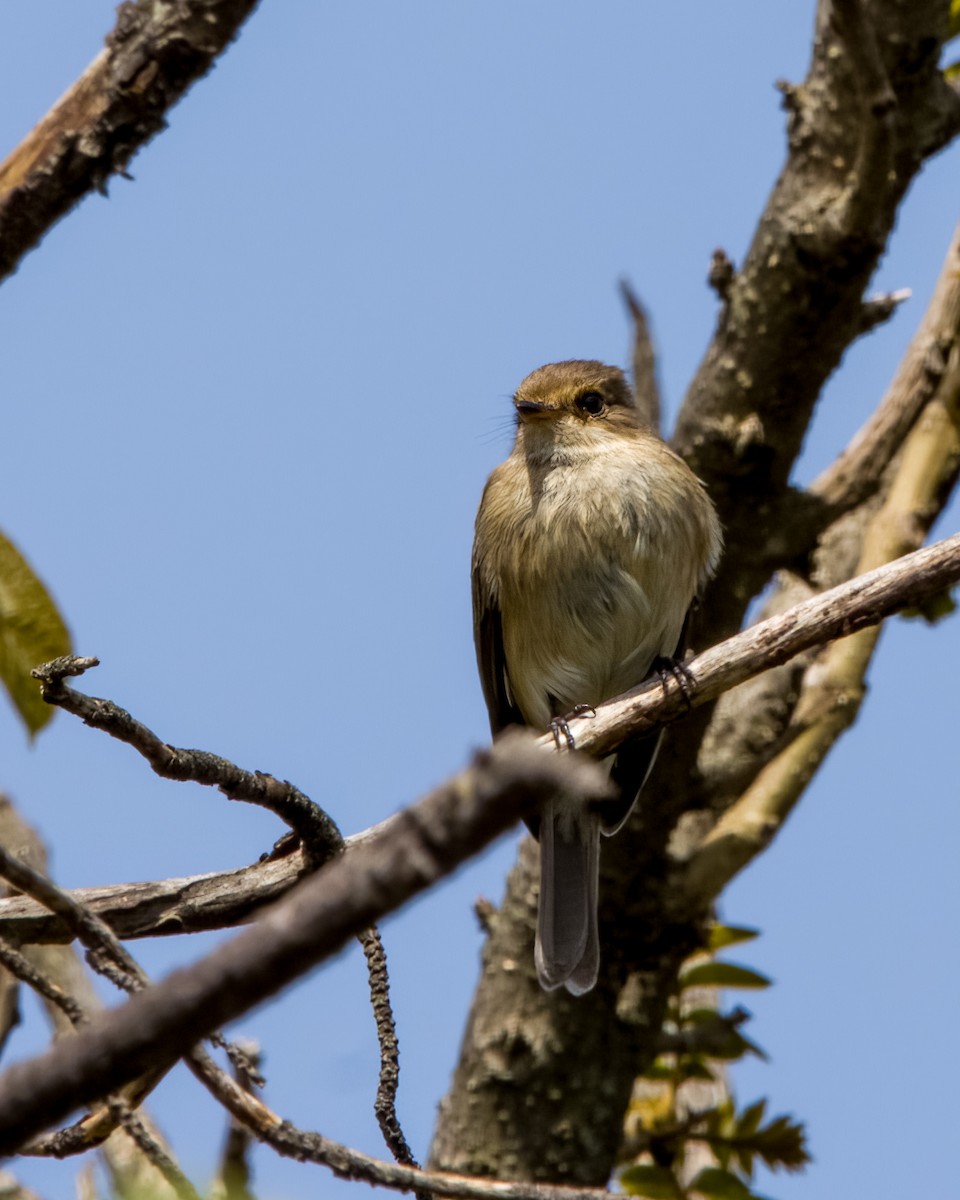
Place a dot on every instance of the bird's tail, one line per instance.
(568, 944)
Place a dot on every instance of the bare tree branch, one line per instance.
(234, 1172)
(857, 471)
(645, 386)
(317, 831)
(105, 952)
(318, 834)
(154, 54)
(833, 691)
(60, 967)
(306, 1146)
(20, 966)
(152, 1149)
(180, 905)
(796, 303)
(837, 613)
(160, 1024)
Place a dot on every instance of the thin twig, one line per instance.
(317, 831)
(233, 1175)
(303, 1145)
(385, 1106)
(24, 970)
(152, 1150)
(104, 951)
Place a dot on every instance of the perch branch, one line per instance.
(216, 901)
(839, 612)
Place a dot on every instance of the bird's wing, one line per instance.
(635, 760)
(491, 662)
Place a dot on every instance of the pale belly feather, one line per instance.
(609, 590)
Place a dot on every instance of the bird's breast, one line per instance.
(594, 564)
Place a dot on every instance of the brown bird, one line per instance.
(592, 541)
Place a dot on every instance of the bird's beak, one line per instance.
(531, 409)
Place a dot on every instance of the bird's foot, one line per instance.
(560, 727)
(674, 668)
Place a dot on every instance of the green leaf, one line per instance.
(735, 1046)
(656, 1183)
(719, 1184)
(722, 974)
(752, 1048)
(31, 632)
(722, 936)
(749, 1121)
(719, 1033)
(782, 1143)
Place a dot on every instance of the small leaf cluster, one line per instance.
(690, 1140)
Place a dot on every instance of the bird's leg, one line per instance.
(560, 728)
(675, 668)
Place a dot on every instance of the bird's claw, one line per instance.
(560, 728)
(673, 668)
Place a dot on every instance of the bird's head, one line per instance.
(572, 404)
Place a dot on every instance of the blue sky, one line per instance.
(251, 401)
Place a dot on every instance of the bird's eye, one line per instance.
(592, 403)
